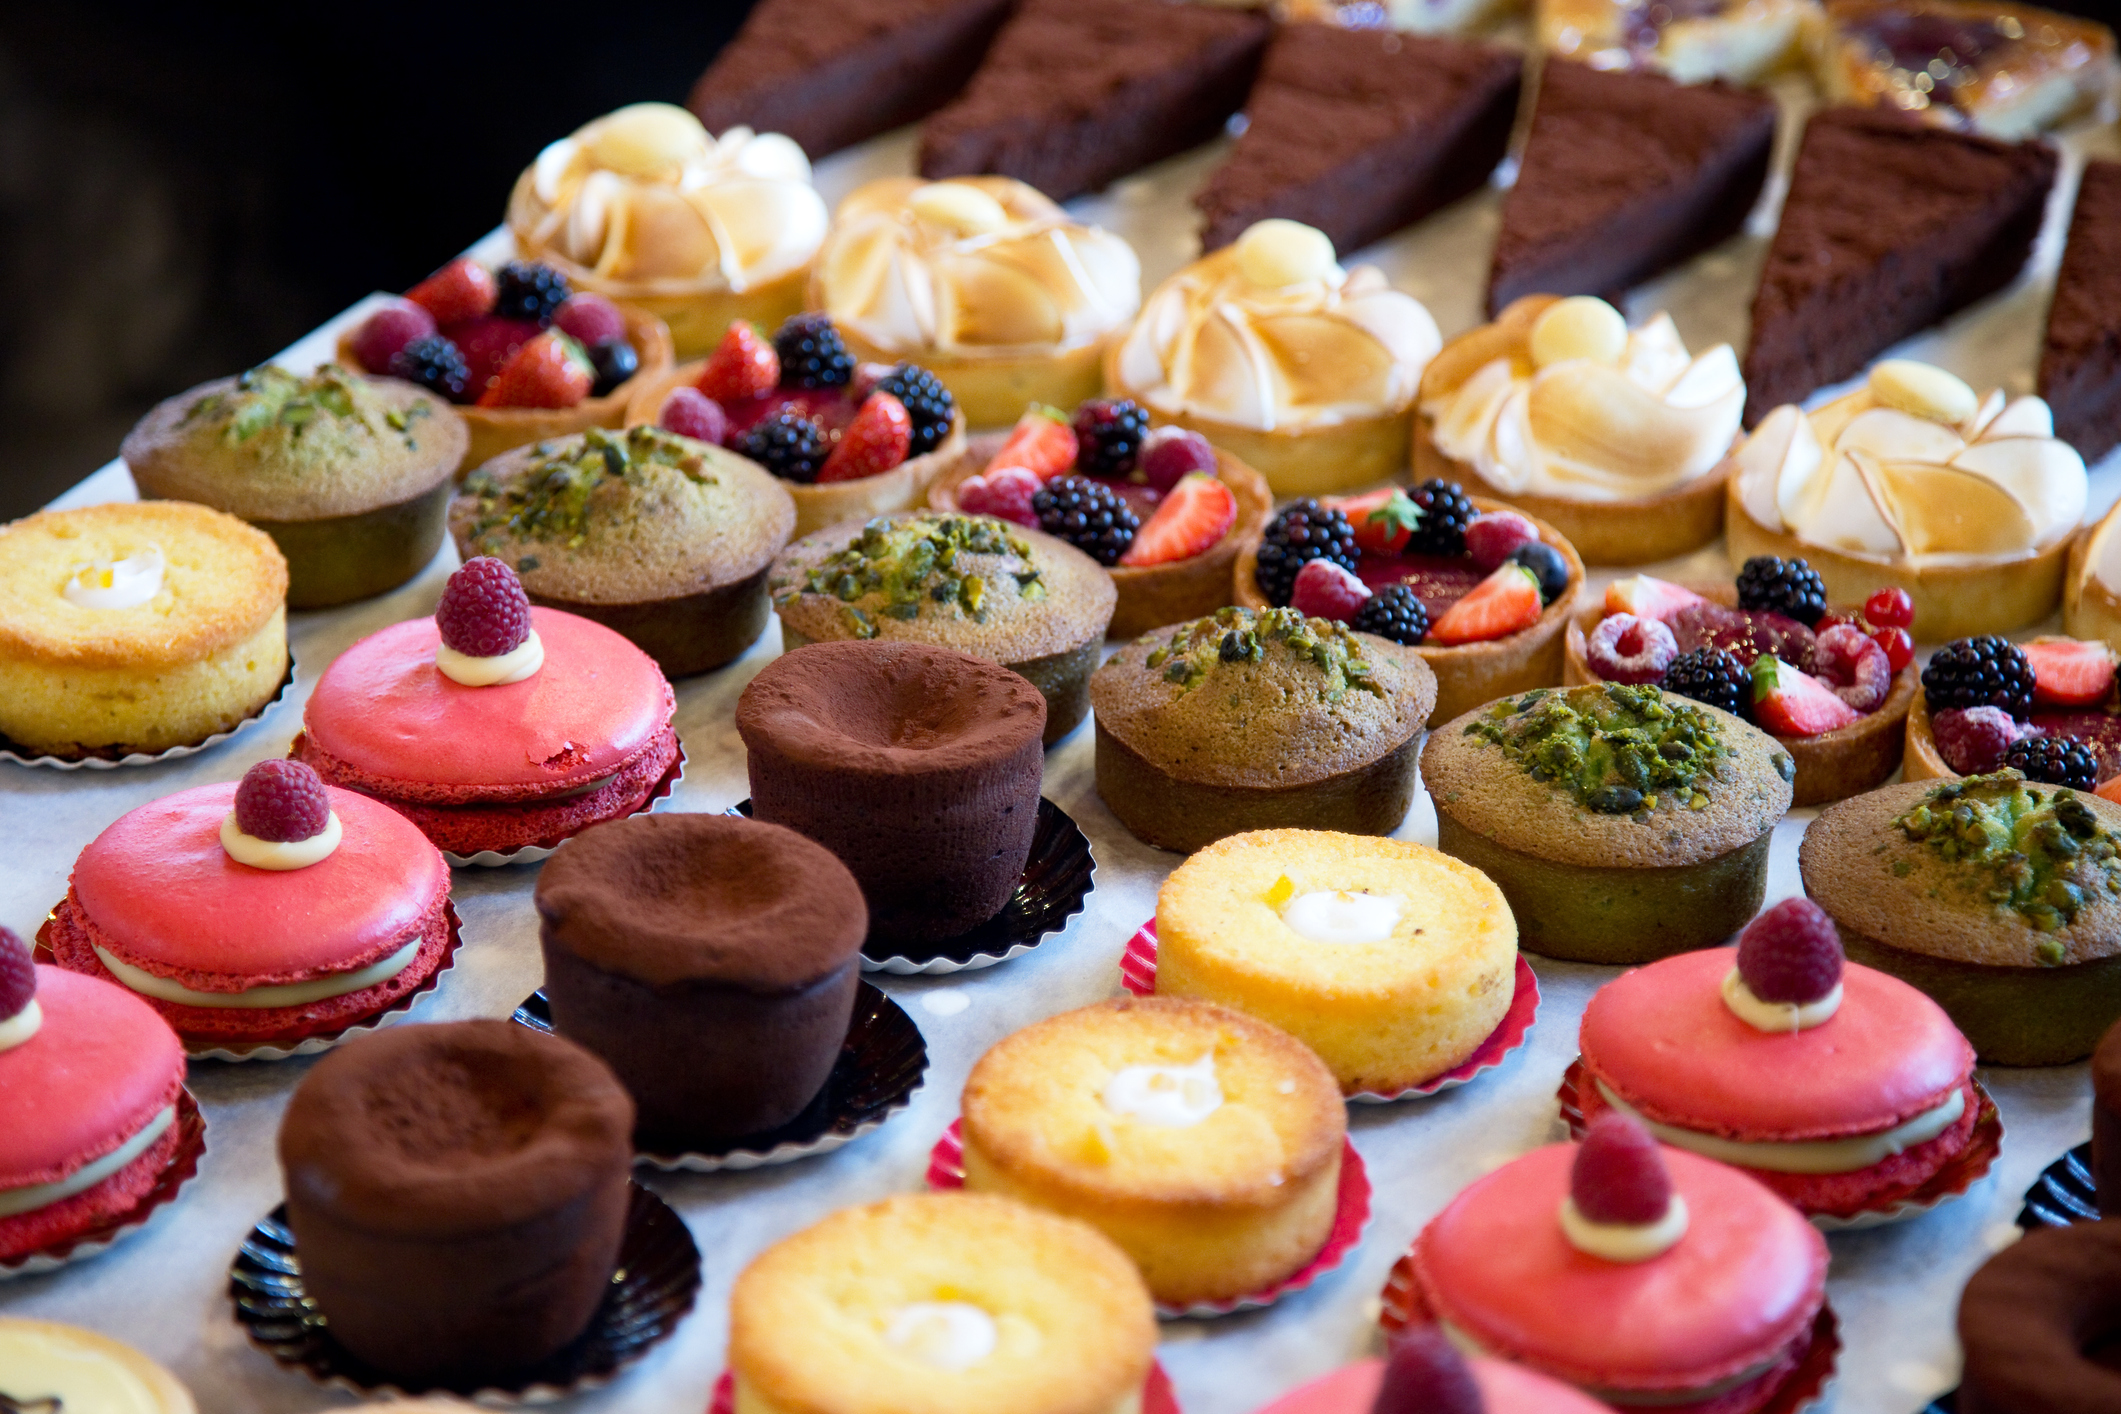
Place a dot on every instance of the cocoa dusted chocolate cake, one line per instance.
(2080, 365)
(2106, 1120)
(1626, 175)
(1077, 92)
(831, 79)
(1889, 227)
(2037, 1323)
(710, 961)
(918, 766)
(458, 1193)
(1362, 131)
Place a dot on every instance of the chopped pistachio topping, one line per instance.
(268, 396)
(548, 498)
(1197, 651)
(1618, 750)
(919, 566)
(2039, 851)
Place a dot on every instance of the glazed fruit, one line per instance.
(742, 366)
(1788, 701)
(2069, 672)
(1617, 1175)
(1988, 671)
(1503, 603)
(1791, 588)
(1626, 649)
(483, 612)
(1648, 598)
(1384, 520)
(590, 320)
(488, 342)
(929, 407)
(1491, 539)
(1899, 646)
(1791, 953)
(1445, 515)
(1890, 608)
(1006, 492)
(1087, 514)
(550, 371)
(387, 331)
(1326, 591)
(1744, 634)
(876, 441)
(1972, 740)
(1196, 513)
(812, 354)
(282, 801)
(433, 362)
(790, 446)
(461, 290)
(1042, 441)
(1302, 532)
(1170, 453)
(1108, 435)
(1396, 613)
(1546, 564)
(1712, 676)
(525, 290)
(2057, 760)
(691, 413)
(1854, 666)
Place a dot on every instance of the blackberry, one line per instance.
(435, 363)
(811, 353)
(2057, 760)
(1303, 532)
(526, 290)
(927, 402)
(1791, 588)
(1395, 612)
(1108, 436)
(1987, 671)
(1712, 676)
(1088, 515)
(1445, 514)
(789, 446)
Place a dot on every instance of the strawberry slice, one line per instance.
(1790, 702)
(1503, 603)
(1648, 598)
(1042, 441)
(876, 441)
(463, 289)
(742, 366)
(550, 371)
(2069, 672)
(1383, 519)
(1198, 512)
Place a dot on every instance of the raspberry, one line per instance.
(1108, 436)
(1445, 516)
(484, 611)
(1791, 953)
(1491, 538)
(1618, 1176)
(2054, 760)
(1855, 667)
(1168, 453)
(811, 353)
(282, 801)
(1394, 612)
(386, 331)
(1972, 740)
(1788, 587)
(526, 290)
(591, 319)
(1626, 649)
(1326, 591)
(691, 413)
(1425, 1374)
(1004, 492)
(1087, 514)
(18, 974)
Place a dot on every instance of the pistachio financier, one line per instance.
(1623, 824)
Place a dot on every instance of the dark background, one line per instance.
(185, 191)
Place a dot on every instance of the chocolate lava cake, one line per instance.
(1625, 175)
(830, 77)
(1362, 131)
(1074, 93)
(1890, 226)
(2080, 367)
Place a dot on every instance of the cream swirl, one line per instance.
(1572, 403)
(280, 855)
(1777, 1017)
(516, 664)
(1270, 332)
(645, 200)
(974, 265)
(1915, 467)
(1624, 1242)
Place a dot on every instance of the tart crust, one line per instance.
(992, 390)
(2090, 609)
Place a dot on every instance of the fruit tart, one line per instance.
(1481, 591)
(1616, 437)
(1163, 511)
(1692, 41)
(1833, 689)
(1967, 502)
(849, 440)
(645, 207)
(2047, 708)
(520, 354)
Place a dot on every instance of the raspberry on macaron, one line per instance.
(20, 1015)
(1788, 976)
(1621, 1204)
(484, 619)
(282, 818)
(1425, 1374)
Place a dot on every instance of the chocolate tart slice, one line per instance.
(1074, 93)
(1625, 175)
(1359, 132)
(1889, 227)
(830, 80)
(2080, 364)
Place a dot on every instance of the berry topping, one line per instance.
(1619, 1177)
(461, 290)
(551, 371)
(1629, 650)
(691, 413)
(873, 443)
(1502, 604)
(1326, 591)
(1384, 519)
(1088, 515)
(1890, 608)
(1714, 677)
(1788, 701)
(284, 801)
(1546, 564)
(1648, 598)
(1744, 634)
(1042, 442)
(1491, 538)
(1197, 513)
(1972, 740)
(590, 319)
(1425, 1374)
(1987, 671)
(2055, 760)
(435, 363)
(1005, 492)
(742, 366)
(1108, 436)
(484, 611)
(1304, 531)
(1791, 954)
(1791, 588)
(1445, 514)
(1169, 453)
(1395, 612)
(1856, 668)
(2068, 672)
(386, 331)
(526, 290)
(1899, 646)
(614, 361)
(928, 403)
(18, 974)
(787, 444)
(488, 344)
(811, 353)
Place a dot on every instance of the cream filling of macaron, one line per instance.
(515, 665)
(1166, 1096)
(1778, 1017)
(1636, 1399)
(1337, 916)
(1813, 1156)
(21, 1026)
(337, 984)
(280, 854)
(38, 1195)
(948, 1335)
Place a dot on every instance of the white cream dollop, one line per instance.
(17, 1029)
(278, 994)
(947, 1335)
(1268, 333)
(1888, 473)
(1591, 410)
(1166, 1096)
(515, 665)
(1858, 1151)
(124, 583)
(1337, 916)
(1624, 1242)
(646, 198)
(281, 854)
(1777, 1016)
(38, 1195)
(971, 266)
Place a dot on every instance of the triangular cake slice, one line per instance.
(2080, 365)
(1889, 227)
(1625, 175)
(1075, 93)
(1361, 131)
(831, 76)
